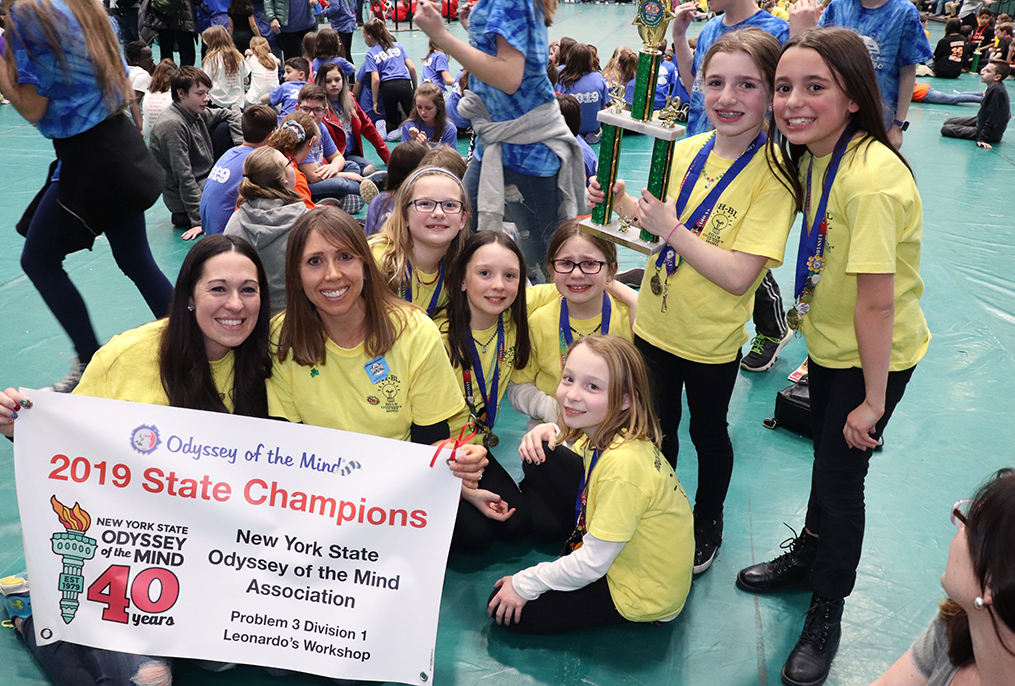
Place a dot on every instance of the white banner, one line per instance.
(161, 531)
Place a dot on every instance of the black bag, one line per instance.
(793, 408)
(78, 237)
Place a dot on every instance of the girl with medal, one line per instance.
(487, 338)
(423, 236)
(858, 289)
(630, 557)
(582, 266)
(729, 223)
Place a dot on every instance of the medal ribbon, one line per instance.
(582, 499)
(565, 338)
(696, 221)
(489, 400)
(406, 290)
(812, 243)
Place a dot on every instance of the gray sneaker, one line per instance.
(368, 190)
(352, 203)
(68, 383)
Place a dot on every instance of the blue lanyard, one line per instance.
(565, 322)
(489, 401)
(812, 243)
(406, 290)
(696, 222)
(579, 504)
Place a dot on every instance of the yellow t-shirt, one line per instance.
(424, 285)
(635, 498)
(875, 226)
(127, 368)
(540, 294)
(353, 391)
(545, 366)
(506, 371)
(704, 322)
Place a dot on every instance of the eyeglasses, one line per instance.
(312, 110)
(588, 267)
(447, 206)
(960, 512)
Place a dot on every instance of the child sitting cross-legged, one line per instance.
(988, 125)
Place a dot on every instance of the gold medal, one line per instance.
(656, 284)
(793, 319)
(490, 439)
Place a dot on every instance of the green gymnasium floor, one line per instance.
(947, 435)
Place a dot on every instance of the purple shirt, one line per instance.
(593, 94)
(389, 64)
(449, 137)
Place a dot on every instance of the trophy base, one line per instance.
(615, 233)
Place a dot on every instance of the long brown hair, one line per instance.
(436, 95)
(376, 29)
(162, 77)
(344, 98)
(264, 177)
(101, 44)
(628, 377)
(262, 51)
(329, 44)
(221, 47)
(303, 331)
(580, 61)
(848, 59)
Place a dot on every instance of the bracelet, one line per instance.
(667, 241)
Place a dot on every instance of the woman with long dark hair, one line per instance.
(70, 88)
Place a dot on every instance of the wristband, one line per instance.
(903, 125)
(667, 241)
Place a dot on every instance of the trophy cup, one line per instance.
(653, 19)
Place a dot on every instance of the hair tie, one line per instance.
(297, 128)
(439, 170)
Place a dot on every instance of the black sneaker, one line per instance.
(707, 539)
(764, 352)
(809, 662)
(792, 568)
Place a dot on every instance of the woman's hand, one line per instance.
(276, 28)
(489, 503)
(531, 448)
(428, 17)
(657, 217)
(683, 16)
(468, 464)
(11, 402)
(860, 424)
(507, 605)
(803, 15)
(595, 194)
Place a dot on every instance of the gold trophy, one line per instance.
(653, 20)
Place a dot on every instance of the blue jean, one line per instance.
(939, 98)
(70, 664)
(336, 186)
(939, 8)
(531, 202)
(43, 263)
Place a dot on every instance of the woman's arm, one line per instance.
(873, 321)
(448, 78)
(253, 25)
(375, 87)
(503, 71)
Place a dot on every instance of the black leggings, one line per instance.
(394, 94)
(551, 489)
(556, 612)
(179, 40)
(709, 389)
(474, 531)
(347, 45)
(291, 43)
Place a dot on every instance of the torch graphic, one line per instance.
(75, 548)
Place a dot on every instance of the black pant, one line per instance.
(551, 489)
(769, 316)
(347, 45)
(709, 389)
(183, 41)
(961, 127)
(291, 43)
(394, 94)
(474, 531)
(835, 511)
(556, 612)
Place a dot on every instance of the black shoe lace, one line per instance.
(792, 546)
(816, 625)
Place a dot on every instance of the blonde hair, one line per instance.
(628, 381)
(101, 44)
(264, 177)
(221, 47)
(549, 9)
(393, 261)
(262, 51)
(612, 70)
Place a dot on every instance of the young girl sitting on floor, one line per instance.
(294, 139)
(428, 122)
(436, 69)
(633, 544)
(487, 337)
(329, 48)
(263, 69)
(346, 121)
(225, 67)
(423, 237)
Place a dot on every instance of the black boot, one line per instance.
(707, 539)
(811, 659)
(789, 569)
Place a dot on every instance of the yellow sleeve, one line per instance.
(874, 219)
(434, 395)
(280, 385)
(539, 295)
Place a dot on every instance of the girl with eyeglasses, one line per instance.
(486, 334)
(972, 638)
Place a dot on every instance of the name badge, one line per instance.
(377, 369)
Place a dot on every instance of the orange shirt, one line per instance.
(302, 187)
(920, 91)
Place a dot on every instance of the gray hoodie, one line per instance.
(265, 223)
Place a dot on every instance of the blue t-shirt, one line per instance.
(366, 95)
(667, 84)
(453, 100)
(342, 17)
(221, 189)
(300, 17)
(593, 94)
(389, 64)
(591, 160)
(893, 36)
(324, 148)
(286, 97)
(347, 67)
(449, 137)
(75, 98)
(433, 65)
(520, 23)
(697, 120)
